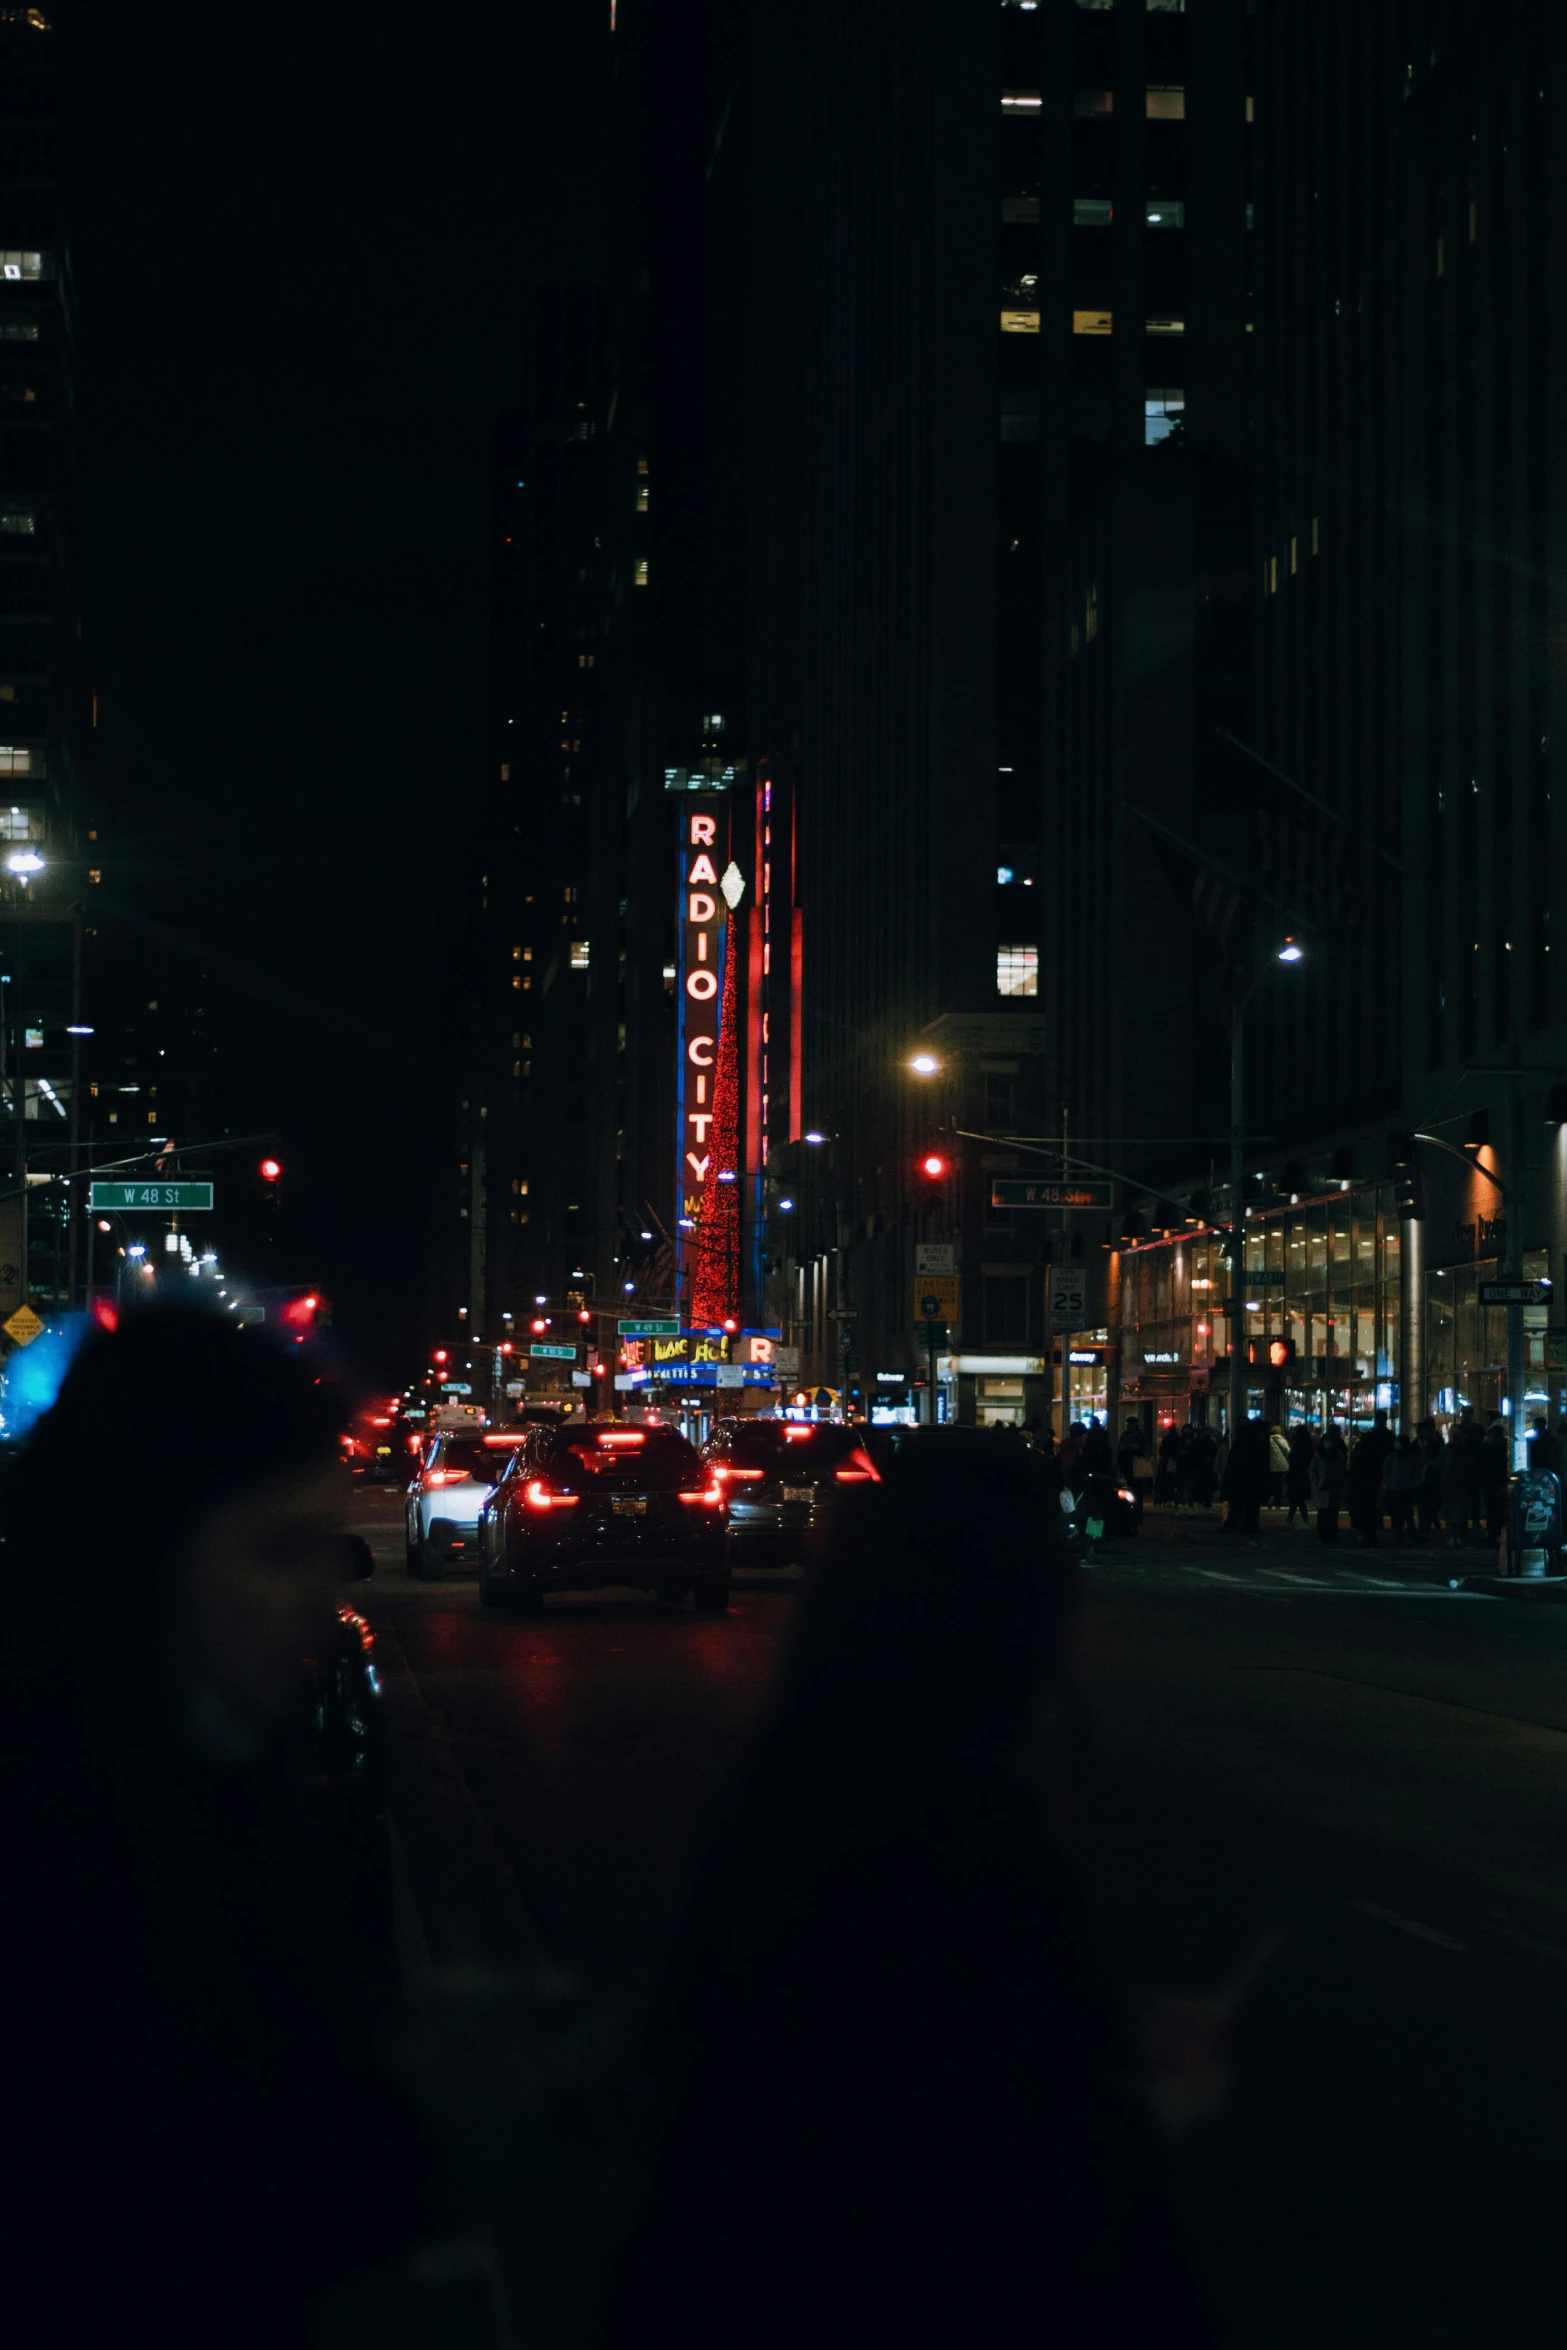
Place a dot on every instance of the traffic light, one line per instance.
(439, 1355)
(538, 1326)
(583, 1314)
(931, 1167)
(506, 1346)
(271, 1170)
(1281, 1353)
(1409, 1190)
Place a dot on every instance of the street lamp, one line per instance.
(1290, 952)
(925, 1065)
(24, 863)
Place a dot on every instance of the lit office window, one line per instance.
(19, 331)
(579, 954)
(641, 571)
(1165, 326)
(1091, 322)
(20, 824)
(1017, 970)
(18, 524)
(1020, 322)
(1164, 412)
(1021, 101)
(15, 264)
(1092, 212)
(1166, 103)
(15, 759)
(1164, 212)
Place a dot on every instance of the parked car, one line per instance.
(450, 1487)
(597, 1503)
(780, 1479)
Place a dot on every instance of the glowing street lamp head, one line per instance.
(816, 1138)
(24, 863)
(1292, 951)
(924, 1064)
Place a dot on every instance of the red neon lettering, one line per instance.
(701, 1120)
(703, 985)
(703, 870)
(704, 830)
(700, 1165)
(702, 907)
(700, 1051)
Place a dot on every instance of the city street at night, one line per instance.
(1354, 1778)
(794, 829)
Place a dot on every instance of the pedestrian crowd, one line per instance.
(1423, 1488)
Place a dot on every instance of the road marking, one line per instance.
(1391, 1917)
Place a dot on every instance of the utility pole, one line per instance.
(1512, 1259)
(1235, 1310)
(1064, 1246)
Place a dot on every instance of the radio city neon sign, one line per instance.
(702, 916)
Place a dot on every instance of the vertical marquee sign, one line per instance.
(703, 926)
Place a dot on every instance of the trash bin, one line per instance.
(1532, 1531)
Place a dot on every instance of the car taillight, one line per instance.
(445, 1476)
(725, 1474)
(709, 1497)
(537, 1495)
(860, 1471)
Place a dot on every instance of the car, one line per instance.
(780, 1479)
(598, 1503)
(450, 1487)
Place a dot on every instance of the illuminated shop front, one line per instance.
(1322, 1280)
(1320, 1316)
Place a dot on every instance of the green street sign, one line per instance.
(1025, 1191)
(134, 1198)
(669, 1329)
(555, 1354)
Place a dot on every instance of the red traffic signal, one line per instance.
(538, 1328)
(932, 1166)
(583, 1314)
(1281, 1352)
(439, 1355)
(271, 1170)
(505, 1346)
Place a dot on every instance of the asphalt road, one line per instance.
(1323, 1779)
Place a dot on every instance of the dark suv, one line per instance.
(582, 1507)
(780, 1479)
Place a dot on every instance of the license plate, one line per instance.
(381, 1451)
(631, 1506)
(797, 1493)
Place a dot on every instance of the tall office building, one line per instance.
(44, 705)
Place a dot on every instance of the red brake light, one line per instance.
(795, 1434)
(620, 1439)
(724, 1473)
(710, 1496)
(538, 1496)
(445, 1476)
(861, 1470)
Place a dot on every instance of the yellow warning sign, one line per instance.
(23, 1326)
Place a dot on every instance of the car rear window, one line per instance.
(774, 1444)
(468, 1452)
(661, 1462)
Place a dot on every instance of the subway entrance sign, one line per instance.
(1025, 1191)
(133, 1198)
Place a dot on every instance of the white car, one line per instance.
(453, 1483)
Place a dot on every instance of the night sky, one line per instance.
(302, 243)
